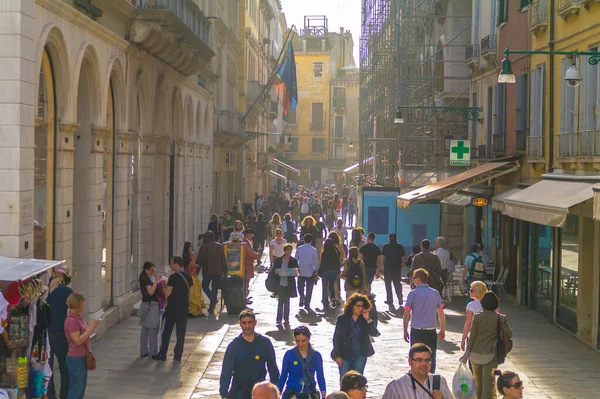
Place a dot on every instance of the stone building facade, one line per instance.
(106, 139)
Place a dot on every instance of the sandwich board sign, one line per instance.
(460, 152)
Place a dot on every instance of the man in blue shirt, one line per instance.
(57, 299)
(424, 304)
(308, 262)
(245, 360)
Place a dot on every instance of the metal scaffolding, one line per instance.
(414, 87)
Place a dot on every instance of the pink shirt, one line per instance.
(74, 322)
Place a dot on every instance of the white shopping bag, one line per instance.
(463, 383)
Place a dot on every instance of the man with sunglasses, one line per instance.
(419, 382)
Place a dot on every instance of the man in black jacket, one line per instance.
(393, 260)
(245, 360)
(212, 262)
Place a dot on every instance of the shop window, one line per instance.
(568, 278)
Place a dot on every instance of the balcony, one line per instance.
(255, 89)
(472, 54)
(535, 148)
(564, 8)
(585, 143)
(538, 15)
(175, 31)
(488, 46)
(339, 102)
(499, 143)
(228, 129)
(522, 141)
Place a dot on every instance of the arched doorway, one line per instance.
(45, 133)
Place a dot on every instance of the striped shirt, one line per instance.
(402, 388)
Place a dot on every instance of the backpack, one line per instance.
(477, 268)
(355, 276)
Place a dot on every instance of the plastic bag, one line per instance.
(463, 383)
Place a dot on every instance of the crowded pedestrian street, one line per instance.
(550, 362)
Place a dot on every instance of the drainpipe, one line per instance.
(551, 124)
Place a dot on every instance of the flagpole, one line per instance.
(290, 36)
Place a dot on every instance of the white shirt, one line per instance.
(343, 232)
(475, 306)
(402, 388)
(308, 260)
(236, 236)
(305, 208)
(444, 256)
(278, 248)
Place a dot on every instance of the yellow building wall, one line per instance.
(311, 90)
(578, 32)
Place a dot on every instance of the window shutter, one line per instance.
(589, 94)
(500, 114)
(522, 98)
(542, 100)
(535, 103)
(317, 116)
(339, 126)
(563, 100)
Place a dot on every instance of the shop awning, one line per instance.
(16, 269)
(457, 199)
(547, 202)
(277, 175)
(498, 200)
(597, 202)
(285, 165)
(457, 182)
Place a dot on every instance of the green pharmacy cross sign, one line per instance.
(460, 152)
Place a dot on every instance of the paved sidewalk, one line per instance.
(551, 362)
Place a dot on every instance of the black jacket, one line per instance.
(290, 290)
(342, 332)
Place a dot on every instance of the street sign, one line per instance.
(460, 152)
(479, 201)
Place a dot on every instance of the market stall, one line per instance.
(24, 319)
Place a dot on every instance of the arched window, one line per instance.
(45, 128)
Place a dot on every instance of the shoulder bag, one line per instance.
(503, 344)
(346, 342)
(90, 360)
(184, 280)
(306, 376)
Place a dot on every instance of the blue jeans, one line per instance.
(60, 348)
(211, 288)
(77, 377)
(329, 277)
(358, 364)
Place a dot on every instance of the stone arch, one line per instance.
(87, 63)
(140, 105)
(53, 41)
(161, 109)
(177, 130)
(115, 78)
(189, 119)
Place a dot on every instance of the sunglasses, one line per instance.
(516, 385)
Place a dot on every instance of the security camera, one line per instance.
(572, 77)
(573, 82)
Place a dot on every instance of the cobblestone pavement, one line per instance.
(551, 362)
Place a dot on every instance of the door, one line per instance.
(419, 232)
(525, 269)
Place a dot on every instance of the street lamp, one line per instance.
(399, 119)
(350, 145)
(572, 76)
(447, 142)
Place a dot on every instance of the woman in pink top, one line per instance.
(78, 337)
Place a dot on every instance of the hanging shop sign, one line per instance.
(479, 201)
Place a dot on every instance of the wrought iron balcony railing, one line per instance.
(584, 143)
(535, 147)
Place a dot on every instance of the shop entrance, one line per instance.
(538, 271)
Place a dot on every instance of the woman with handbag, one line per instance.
(351, 339)
(79, 357)
(299, 367)
(196, 306)
(486, 332)
(149, 312)
(286, 268)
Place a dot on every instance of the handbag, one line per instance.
(503, 344)
(90, 360)
(272, 281)
(346, 342)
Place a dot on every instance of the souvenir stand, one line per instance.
(24, 319)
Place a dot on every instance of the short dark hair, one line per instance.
(475, 248)
(426, 244)
(148, 265)
(288, 247)
(371, 236)
(489, 301)
(422, 275)
(418, 348)
(352, 380)
(393, 237)
(209, 236)
(308, 238)
(302, 330)
(247, 313)
(351, 301)
(178, 260)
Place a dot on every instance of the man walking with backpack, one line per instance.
(393, 259)
(431, 263)
(354, 273)
(419, 382)
(474, 269)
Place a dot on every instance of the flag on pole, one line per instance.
(286, 82)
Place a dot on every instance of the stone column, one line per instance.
(179, 213)
(123, 270)
(17, 100)
(148, 151)
(207, 182)
(198, 190)
(63, 208)
(190, 225)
